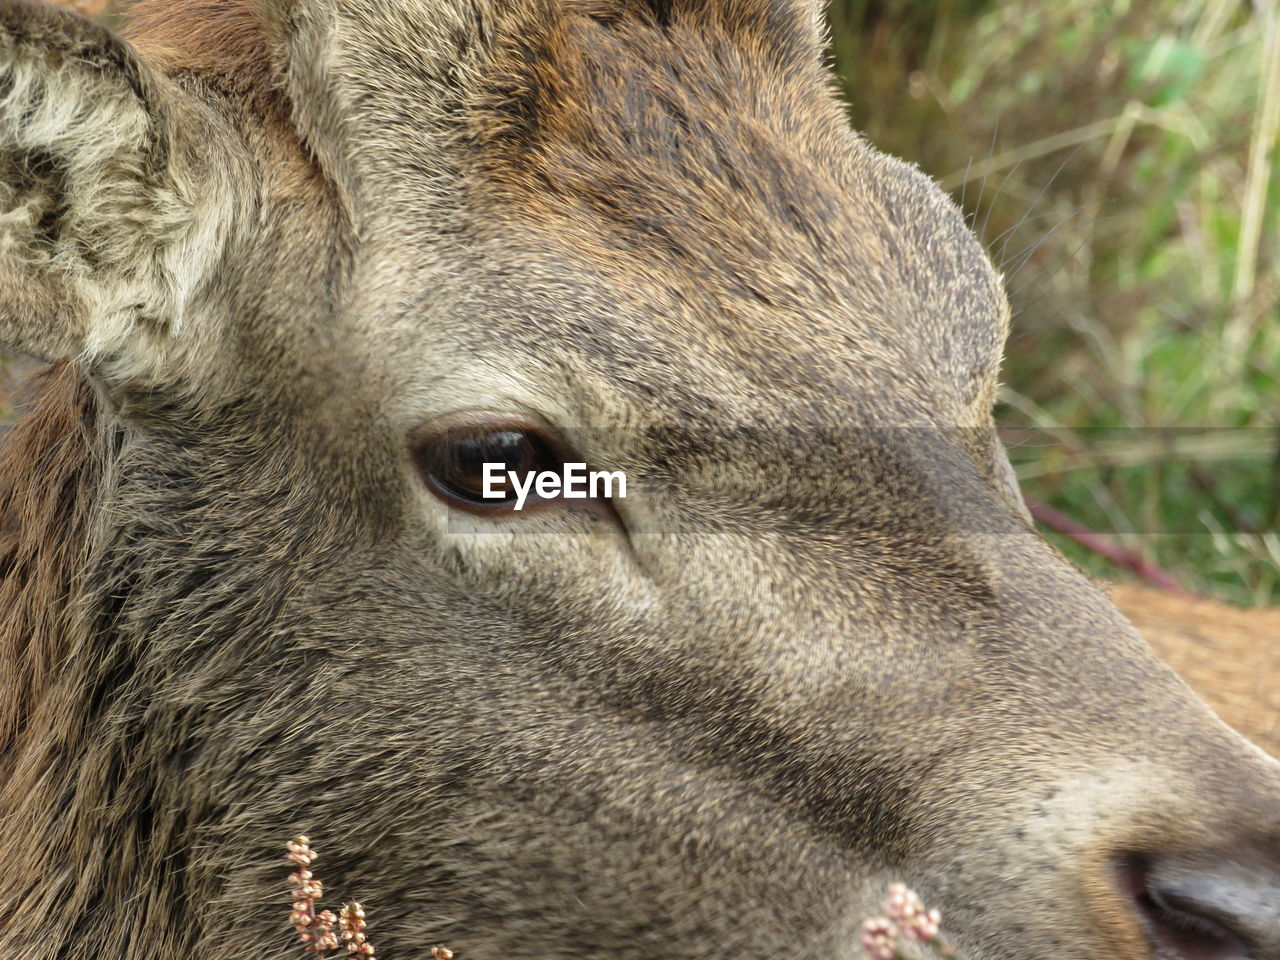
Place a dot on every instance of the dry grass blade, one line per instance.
(1261, 151)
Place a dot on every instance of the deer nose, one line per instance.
(1207, 906)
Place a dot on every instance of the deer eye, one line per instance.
(453, 463)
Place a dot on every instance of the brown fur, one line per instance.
(1231, 657)
(47, 476)
(818, 649)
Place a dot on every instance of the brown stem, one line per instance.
(1105, 547)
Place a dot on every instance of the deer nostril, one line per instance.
(1178, 930)
(1204, 907)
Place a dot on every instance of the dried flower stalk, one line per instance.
(906, 918)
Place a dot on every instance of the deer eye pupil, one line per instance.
(456, 461)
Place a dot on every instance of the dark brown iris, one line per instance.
(454, 461)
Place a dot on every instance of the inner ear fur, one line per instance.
(108, 211)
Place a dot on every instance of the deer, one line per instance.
(301, 268)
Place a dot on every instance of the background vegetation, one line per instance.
(1119, 161)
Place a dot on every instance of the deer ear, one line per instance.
(316, 48)
(105, 225)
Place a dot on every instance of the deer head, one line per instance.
(313, 262)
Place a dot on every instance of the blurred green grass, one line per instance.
(1119, 161)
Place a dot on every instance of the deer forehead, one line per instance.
(590, 325)
(665, 204)
(672, 206)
